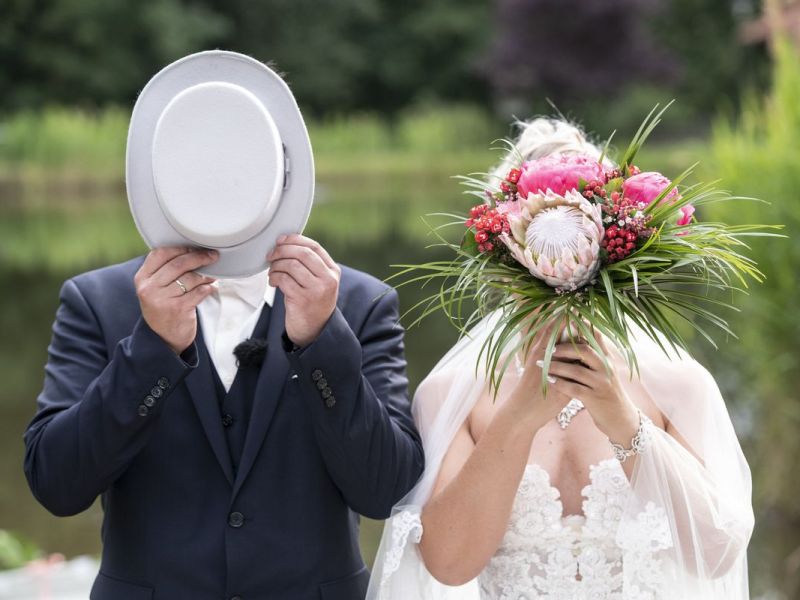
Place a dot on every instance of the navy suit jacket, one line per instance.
(178, 524)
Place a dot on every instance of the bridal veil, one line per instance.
(688, 519)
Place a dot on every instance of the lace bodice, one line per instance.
(545, 555)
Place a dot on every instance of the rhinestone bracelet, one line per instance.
(639, 442)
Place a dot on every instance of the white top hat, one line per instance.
(219, 157)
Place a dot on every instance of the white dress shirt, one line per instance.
(229, 315)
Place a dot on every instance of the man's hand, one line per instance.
(166, 307)
(309, 280)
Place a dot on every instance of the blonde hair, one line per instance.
(544, 136)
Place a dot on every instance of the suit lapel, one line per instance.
(268, 390)
(201, 387)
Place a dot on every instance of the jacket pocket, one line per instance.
(352, 587)
(111, 588)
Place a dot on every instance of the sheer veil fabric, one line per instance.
(688, 517)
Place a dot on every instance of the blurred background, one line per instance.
(400, 96)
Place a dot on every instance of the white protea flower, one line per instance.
(557, 238)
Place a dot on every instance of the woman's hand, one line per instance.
(581, 373)
(534, 408)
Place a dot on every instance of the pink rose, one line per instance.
(559, 173)
(646, 187)
(686, 215)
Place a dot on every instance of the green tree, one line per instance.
(90, 52)
(364, 54)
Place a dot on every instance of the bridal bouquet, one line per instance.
(592, 246)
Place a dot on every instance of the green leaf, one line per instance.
(468, 243)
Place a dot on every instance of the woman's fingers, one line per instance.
(579, 352)
(572, 371)
(571, 389)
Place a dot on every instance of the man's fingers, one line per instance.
(313, 261)
(197, 295)
(285, 283)
(299, 272)
(183, 264)
(190, 281)
(301, 240)
(158, 257)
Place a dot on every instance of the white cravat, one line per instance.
(229, 315)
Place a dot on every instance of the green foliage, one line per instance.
(380, 55)
(713, 66)
(91, 145)
(94, 52)
(62, 138)
(758, 153)
(359, 133)
(455, 128)
(15, 552)
(343, 56)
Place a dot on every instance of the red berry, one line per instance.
(514, 175)
(481, 237)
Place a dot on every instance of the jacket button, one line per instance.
(143, 410)
(322, 384)
(327, 393)
(227, 420)
(329, 402)
(156, 392)
(149, 401)
(163, 383)
(236, 519)
(316, 375)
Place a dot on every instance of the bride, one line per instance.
(610, 486)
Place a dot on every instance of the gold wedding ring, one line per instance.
(180, 285)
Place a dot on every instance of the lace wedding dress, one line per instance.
(678, 529)
(546, 555)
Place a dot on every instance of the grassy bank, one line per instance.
(74, 148)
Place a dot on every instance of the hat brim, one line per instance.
(296, 201)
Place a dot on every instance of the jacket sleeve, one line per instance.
(95, 412)
(357, 391)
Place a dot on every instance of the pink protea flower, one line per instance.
(686, 215)
(646, 187)
(557, 238)
(558, 173)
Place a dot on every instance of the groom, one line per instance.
(226, 476)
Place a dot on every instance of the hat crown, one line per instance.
(218, 164)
